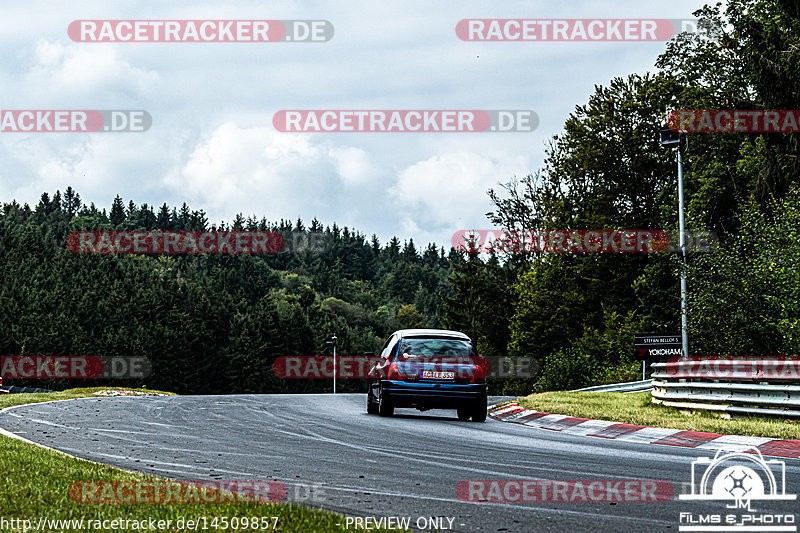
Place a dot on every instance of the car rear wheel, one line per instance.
(464, 413)
(385, 407)
(479, 414)
(372, 407)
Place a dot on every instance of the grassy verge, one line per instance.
(34, 483)
(636, 408)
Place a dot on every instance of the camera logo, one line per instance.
(738, 477)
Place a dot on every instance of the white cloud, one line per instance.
(259, 171)
(449, 190)
(76, 69)
(352, 164)
(90, 163)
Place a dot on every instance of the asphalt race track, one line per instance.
(408, 465)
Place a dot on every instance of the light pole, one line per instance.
(670, 138)
(333, 341)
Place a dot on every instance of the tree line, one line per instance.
(208, 323)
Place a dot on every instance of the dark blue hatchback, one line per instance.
(429, 369)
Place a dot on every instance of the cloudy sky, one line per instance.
(212, 143)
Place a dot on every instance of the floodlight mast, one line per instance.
(333, 341)
(670, 138)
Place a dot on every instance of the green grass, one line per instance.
(636, 408)
(34, 482)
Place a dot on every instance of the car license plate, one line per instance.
(432, 374)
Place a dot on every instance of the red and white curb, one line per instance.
(648, 435)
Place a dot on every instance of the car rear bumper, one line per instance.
(433, 395)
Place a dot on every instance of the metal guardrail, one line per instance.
(733, 369)
(631, 386)
(739, 393)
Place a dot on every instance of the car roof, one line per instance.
(432, 333)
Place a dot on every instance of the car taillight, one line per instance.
(478, 375)
(393, 373)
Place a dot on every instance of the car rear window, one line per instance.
(435, 347)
